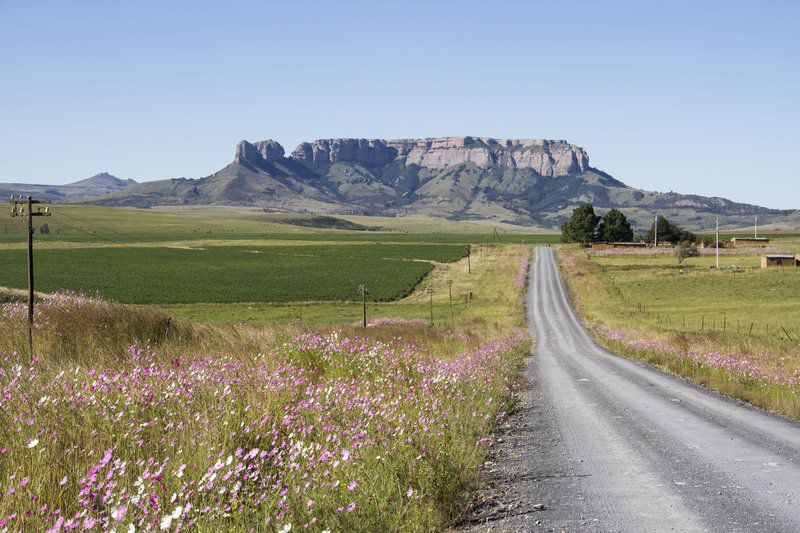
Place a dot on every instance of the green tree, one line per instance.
(615, 227)
(669, 232)
(582, 226)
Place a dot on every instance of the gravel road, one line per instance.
(610, 444)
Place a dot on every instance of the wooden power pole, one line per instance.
(363, 291)
(450, 289)
(19, 208)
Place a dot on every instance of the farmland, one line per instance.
(736, 331)
(234, 265)
(157, 275)
(125, 225)
(264, 409)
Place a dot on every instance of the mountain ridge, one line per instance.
(519, 181)
(97, 185)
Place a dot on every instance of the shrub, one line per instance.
(685, 250)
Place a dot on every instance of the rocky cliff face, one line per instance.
(546, 158)
(268, 150)
(367, 152)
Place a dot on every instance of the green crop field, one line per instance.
(162, 275)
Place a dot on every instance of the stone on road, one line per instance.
(611, 444)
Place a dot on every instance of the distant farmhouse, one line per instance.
(752, 242)
(776, 260)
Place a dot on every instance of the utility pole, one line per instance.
(716, 243)
(756, 227)
(362, 290)
(655, 230)
(429, 290)
(19, 208)
(450, 288)
(469, 262)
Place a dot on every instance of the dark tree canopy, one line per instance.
(615, 227)
(582, 226)
(671, 233)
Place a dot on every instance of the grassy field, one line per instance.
(692, 296)
(735, 331)
(241, 427)
(126, 225)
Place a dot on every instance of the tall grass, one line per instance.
(128, 420)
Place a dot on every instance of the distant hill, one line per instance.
(517, 181)
(104, 180)
(98, 185)
(523, 181)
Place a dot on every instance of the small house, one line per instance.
(768, 261)
(750, 242)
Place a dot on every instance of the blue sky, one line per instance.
(696, 97)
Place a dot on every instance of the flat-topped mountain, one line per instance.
(521, 181)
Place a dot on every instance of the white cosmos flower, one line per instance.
(286, 528)
(33, 443)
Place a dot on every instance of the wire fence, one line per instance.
(717, 323)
